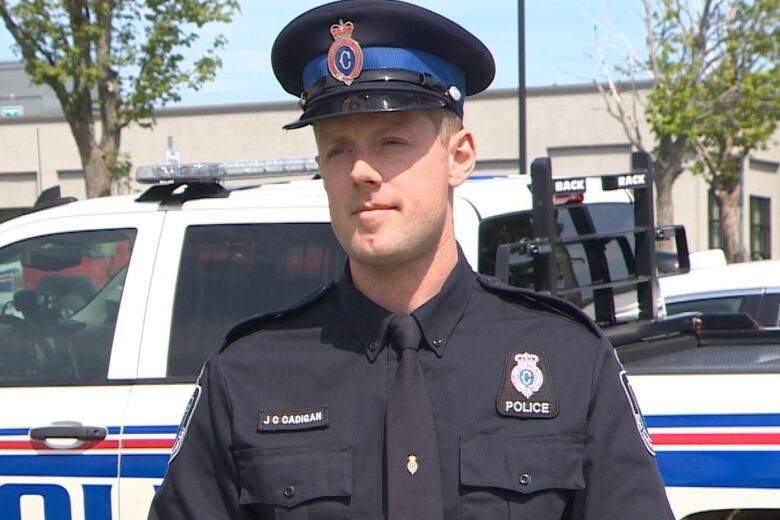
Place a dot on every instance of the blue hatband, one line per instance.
(375, 58)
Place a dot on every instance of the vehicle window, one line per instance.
(59, 300)
(764, 309)
(725, 305)
(232, 272)
(578, 263)
(769, 311)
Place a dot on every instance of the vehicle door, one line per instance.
(215, 269)
(72, 291)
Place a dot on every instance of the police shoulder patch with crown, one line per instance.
(527, 388)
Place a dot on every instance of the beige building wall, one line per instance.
(568, 123)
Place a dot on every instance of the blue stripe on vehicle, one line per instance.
(730, 469)
(152, 429)
(132, 466)
(59, 465)
(144, 466)
(112, 430)
(707, 420)
(14, 431)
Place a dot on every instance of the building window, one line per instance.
(715, 232)
(760, 228)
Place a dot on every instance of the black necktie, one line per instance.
(411, 450)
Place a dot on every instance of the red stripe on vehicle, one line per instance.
(665, 439)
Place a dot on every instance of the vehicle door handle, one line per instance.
(68, 431)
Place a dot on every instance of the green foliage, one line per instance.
(740, 96)
(61, 40)
(677, 65)
(119, 57)
(716, 77)
(718, 89)
(715, 96)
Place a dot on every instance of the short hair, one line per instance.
(449, 123)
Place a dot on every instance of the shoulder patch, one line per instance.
(188, 411)
(255, 323)
(545, 302)
(641, 425)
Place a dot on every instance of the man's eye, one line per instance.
(337, 150)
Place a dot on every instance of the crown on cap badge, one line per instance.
(345, 57)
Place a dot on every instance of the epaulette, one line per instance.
(255, 323)
(541, 301)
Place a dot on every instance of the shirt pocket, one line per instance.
(304, 482)
(519, 477)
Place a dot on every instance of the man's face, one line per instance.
(389, 182)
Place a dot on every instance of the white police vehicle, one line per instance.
(109, 306)
(752, 288)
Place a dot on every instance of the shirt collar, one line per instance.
(437, 317)
(368, 319)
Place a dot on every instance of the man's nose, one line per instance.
(363, 171)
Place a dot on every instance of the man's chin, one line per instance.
(376, 256)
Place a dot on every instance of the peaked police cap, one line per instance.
(356, 56)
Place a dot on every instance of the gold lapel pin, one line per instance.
(411, 464)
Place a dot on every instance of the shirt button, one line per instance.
(524, 479)
(373, 346)
(437, 342)
(288, 492)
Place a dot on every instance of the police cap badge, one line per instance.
(356, 56)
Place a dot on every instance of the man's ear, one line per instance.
(463, 156)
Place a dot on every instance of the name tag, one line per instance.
(290, 420)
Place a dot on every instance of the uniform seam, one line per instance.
(229, 401)
(594, 380)
(548, 312)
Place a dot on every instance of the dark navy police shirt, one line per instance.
(532, 415)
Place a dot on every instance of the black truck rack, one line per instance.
(637, 245)
(646, 342)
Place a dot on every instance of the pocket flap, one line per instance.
(291, 476)
(522, 464)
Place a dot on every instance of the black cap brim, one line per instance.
(370, 101)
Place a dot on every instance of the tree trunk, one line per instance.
(667, 166)
(664, 207)
(94, 160)
(729, 198)
(97, 174)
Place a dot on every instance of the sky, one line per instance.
(560, 45)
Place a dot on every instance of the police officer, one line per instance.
(411, 387)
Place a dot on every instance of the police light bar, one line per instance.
(624, 181)
(214, 172)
